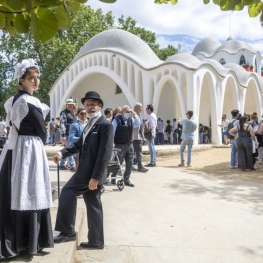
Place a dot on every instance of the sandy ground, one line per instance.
(212, 162)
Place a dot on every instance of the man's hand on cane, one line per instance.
(56, 158)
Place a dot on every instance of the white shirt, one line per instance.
(91, 121)
(152, 123)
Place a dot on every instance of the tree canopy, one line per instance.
(44, 18)
(55, 55)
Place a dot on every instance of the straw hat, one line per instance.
(70, 101)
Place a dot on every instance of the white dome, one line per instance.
(184, 59)
(123, 42)
(207, 47)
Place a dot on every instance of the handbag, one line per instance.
(147, 133)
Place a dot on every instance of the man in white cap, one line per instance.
(67, 117)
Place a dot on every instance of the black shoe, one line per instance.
(63, 167)
(150, 165)
(142, 170)
(113, 181)
(62, 237)
(73, 169)
(129, 184)
(92, 246)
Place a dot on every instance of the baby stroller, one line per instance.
(114, 171)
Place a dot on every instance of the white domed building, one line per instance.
(124, 70)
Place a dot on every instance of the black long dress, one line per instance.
(23, 230)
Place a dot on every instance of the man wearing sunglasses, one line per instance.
(76, 129)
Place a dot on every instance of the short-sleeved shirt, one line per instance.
(189, 127)
(52, 126)
(236, 123)
(225, 125)
(160, 126)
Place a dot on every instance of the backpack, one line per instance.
(229, 127)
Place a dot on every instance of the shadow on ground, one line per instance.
(227, 184)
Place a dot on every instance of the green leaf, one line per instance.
(174, 2)
(63, 17)
(21, 23)
(15, 5)
(28, 5)
(82, 1)
(108, 1)
(44, 25)
(2, 20)
(255, 9)
(74, 6)
(206, 2)
(48, 2)
(248, 2)
(217, 2)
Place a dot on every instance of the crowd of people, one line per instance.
(245, 134)
(88, 137)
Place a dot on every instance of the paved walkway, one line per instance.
(171, 215)
(174, 216)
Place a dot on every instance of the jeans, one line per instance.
(160, 138)
(201, 138)
(260, 154)
(51, 137)
(189, 143)
(175, 138)
(152, 150)
(70, 158)
(233, 161)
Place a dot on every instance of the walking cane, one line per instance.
(58, 181)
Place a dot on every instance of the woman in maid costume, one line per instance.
(25, 189)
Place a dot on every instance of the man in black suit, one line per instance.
(95, 148)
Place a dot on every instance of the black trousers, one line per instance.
(66, 215)
(127, 155)
(137, 145)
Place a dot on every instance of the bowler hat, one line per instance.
(92, 95)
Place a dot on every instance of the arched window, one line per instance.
(242, 60)
(222, 61)
(118, 89)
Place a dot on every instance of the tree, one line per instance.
(44, 18)
(255, 7)
(55, 55)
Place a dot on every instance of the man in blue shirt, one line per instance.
(189, 127)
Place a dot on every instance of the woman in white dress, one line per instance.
(25, 189)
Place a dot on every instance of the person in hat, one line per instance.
(67, 117)
(94, 148)
(25, 187)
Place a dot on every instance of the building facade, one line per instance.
(123, 69)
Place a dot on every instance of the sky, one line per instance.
(188, 21)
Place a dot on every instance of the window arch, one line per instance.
(242, 60)
(222, 61)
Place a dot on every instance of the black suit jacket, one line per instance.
(95, 153)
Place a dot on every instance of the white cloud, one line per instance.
(189, 17)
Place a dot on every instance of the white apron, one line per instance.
(30, 179)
